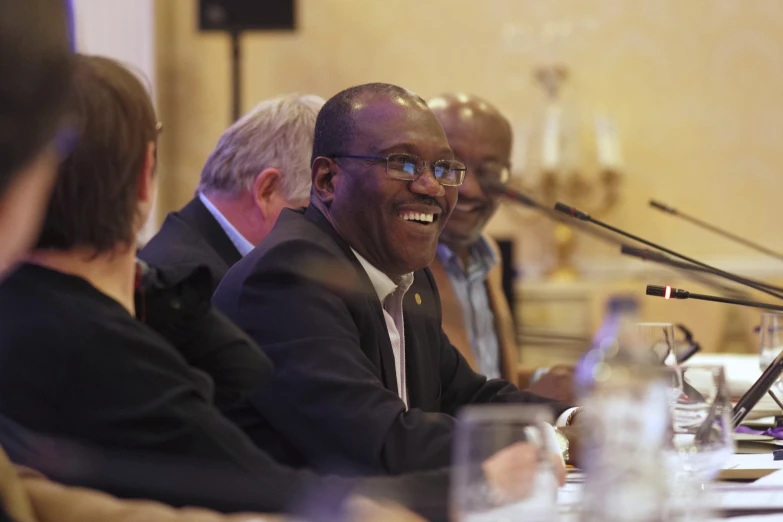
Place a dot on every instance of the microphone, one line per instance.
(667, 292)
(712, 228)
(770, 376)
(525, 200)
(656, 257)
(573, 212)
(502, 190)
(584, 216)
(663, 208)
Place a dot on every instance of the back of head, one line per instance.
(276, 133)
(335, 127)
(95, 199)
(35, 72)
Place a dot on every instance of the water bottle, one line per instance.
(625, 426)
(620, 309)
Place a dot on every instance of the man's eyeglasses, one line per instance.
(407, 167)
(492, 173)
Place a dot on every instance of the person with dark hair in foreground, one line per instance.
(36, 66)
(339, 296)
(35, 61)
(76, 364)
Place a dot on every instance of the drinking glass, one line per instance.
(503, 468)
(658, 338)
(702, 433)
(771, 342)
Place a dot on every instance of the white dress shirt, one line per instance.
(391, 294)
(243, 246)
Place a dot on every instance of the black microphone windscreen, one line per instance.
(628, 250)
(572, 211)
(661, 206)
(658, 291)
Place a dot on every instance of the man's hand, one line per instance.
(511, 471)
(557, 383)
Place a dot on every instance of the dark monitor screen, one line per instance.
(246, 15)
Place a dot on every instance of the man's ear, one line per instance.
(265, 186)
(146, 179)
(323, 172)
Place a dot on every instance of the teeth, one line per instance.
(417, 216)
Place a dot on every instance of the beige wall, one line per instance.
(694, 86)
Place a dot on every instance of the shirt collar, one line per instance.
(481, 256)
(243, 246)
(383, 284)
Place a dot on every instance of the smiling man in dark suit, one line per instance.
(260, 166)
(340, 298)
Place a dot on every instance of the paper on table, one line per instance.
(773, 479)
(742, 370)
(757, 461)
(748, 497)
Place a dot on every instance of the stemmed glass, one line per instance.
(658, 338)
(771, 342)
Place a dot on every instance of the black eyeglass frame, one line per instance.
(419, 168)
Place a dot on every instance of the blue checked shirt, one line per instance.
(470, 287)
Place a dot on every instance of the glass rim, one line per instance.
(483, 413)
(704, 366)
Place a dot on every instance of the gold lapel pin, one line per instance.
(418, 298)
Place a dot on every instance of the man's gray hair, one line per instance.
(276, 133)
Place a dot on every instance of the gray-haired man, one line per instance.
(259, 166)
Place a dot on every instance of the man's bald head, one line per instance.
(481, 137)
(372, 203)
(335, 126)
(456, 111)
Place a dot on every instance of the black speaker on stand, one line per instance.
(238, 16)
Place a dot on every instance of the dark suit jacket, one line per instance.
(305, 299)
(192, 236)
(76, 366)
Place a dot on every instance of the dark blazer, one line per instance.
(192, 236)
(76, 366)
(305, 299)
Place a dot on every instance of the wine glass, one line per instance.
(658, 338)
(503, 467)
(702, 432)
(770, 341)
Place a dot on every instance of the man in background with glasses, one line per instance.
(340, 297)
(467, 267)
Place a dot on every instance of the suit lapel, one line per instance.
(196, 215)
(368, 293)
(420, 309)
